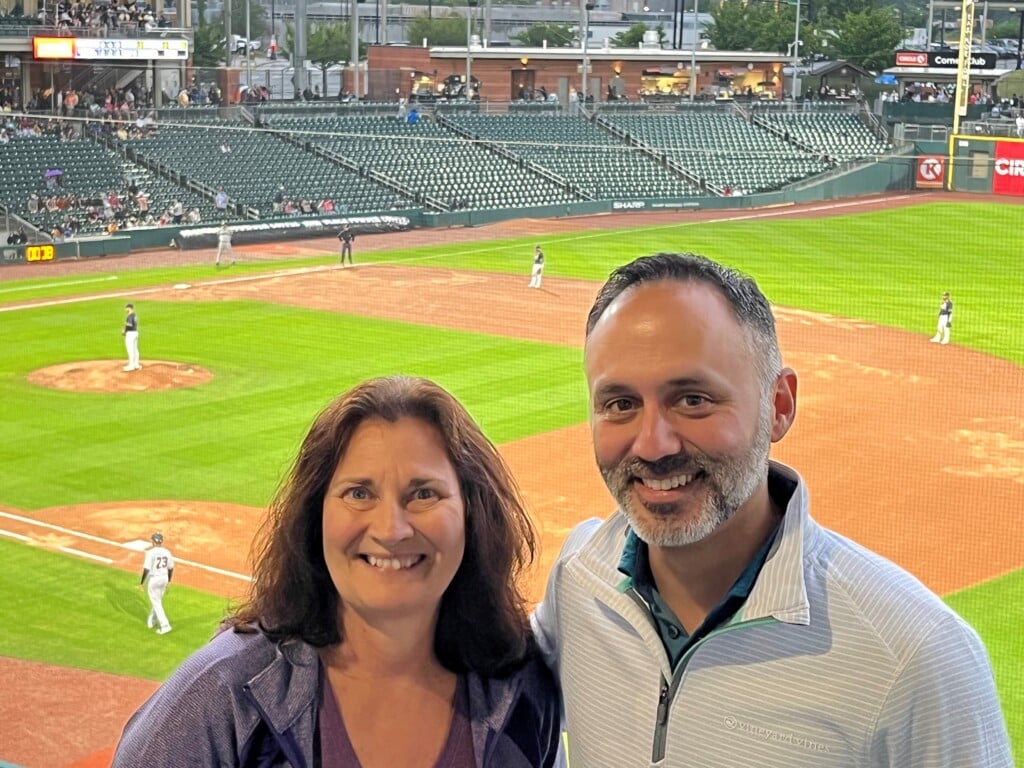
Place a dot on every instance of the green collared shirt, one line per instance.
(635, 563)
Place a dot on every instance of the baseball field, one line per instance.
(914, 449)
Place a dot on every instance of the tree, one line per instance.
(557, 35)
(324, 42)
(820, 10)
(208, 47)
(633, 36)
(440, 30)
(868, 38)
(740, 26)
(328, 45)
(257, 18)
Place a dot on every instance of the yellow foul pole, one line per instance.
(963, 75)
(963, 66)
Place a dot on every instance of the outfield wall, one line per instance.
(989, 164)
(891, 174)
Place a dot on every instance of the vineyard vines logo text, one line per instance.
(776, 736)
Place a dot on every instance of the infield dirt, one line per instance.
(892, 457)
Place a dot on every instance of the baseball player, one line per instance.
(224, 244)
(945, 320)
(538, 267)
(158, 568)
(346, 235)
(131, 338)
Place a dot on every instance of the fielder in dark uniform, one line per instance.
(131, 338)
(537, 273)
(945, 320)
(346, 235)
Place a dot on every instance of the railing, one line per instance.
(127, 30)
(874, 124)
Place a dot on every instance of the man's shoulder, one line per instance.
(893, 602)
(599, 539)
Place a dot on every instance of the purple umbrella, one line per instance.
(54, 172)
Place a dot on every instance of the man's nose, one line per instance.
(657, 437)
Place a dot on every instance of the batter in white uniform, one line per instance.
(224, 244)
(538, 268)
(158, 568)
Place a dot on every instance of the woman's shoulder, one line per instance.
(531, 681)
(229, 654)
(237, 656)
(522, 710)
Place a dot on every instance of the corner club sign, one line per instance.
(943, 59)
(931, 171)
(1008, 171)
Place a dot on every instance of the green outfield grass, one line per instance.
(103, 628)
(996, 611)
(231, 439)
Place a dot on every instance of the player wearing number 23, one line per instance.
(158, 569)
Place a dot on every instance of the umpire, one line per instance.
(346, 235)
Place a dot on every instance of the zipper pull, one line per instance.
(663, 704)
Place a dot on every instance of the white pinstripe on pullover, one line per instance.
(839, 658)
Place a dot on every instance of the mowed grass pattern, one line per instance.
(276, 366)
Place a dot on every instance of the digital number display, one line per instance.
(39, 253)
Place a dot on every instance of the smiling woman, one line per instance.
(385, 592)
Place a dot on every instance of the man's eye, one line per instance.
(619, 405)
(693, 401)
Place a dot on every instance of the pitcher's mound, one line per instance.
(109, 376)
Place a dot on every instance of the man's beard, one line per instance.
(727, 481)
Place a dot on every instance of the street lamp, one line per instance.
(353, 44)
(796, 53)
(470, 5)
(693, 56)
(1020, 34)
(588, 6)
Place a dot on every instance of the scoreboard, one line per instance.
(109, 48)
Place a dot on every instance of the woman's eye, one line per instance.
(423, 494)
(357, 494)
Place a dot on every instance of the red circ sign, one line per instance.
(1008, 171)
(911, 59)
(931, 171)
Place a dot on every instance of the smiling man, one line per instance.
(710, 621)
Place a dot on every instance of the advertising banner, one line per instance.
(931, 171)
(1008, 171)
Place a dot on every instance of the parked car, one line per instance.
(239, 44)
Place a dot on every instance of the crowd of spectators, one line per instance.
(103, 19)
(281, 204)
(108, 210)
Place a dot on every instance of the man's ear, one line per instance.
(783, 403)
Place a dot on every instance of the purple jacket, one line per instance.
(243, 700)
